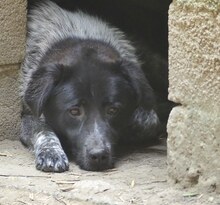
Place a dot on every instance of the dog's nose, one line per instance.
(99, 157)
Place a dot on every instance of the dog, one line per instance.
(83, 91)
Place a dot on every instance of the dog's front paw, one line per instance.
(52, 160)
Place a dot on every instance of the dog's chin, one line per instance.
(85, 164)
(88, 167)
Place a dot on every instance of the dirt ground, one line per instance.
(139, 178)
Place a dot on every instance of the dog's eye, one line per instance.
(75, 111)
(112, 111)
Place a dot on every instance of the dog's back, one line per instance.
(83, 87)
(49, 24)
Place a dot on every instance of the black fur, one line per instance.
(83, 98)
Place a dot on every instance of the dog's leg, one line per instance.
(49, 154)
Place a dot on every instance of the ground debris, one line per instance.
(22, 202)
(75, 174)
(190, 194)
(104, 190)
(110, 170)
(31, 196)
(25, 176)
(132, 183)
(5, 155)
(60, 200)
(72, 181)
(66, 189)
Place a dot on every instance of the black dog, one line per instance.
(83, 90)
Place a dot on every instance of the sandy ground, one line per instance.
(139, 178)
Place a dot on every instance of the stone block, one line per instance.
(9, 102)
(12, 31)
(194, 148)
(194, 78)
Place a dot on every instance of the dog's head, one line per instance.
(89, 96)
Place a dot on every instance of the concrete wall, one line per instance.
(12, 46)
(194, 77)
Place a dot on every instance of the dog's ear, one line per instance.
(144, 92)
(40, 86)
(144, 120)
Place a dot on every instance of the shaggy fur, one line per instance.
(82, 90)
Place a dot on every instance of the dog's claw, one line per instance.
(52, 160)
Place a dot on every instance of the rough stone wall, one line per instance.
(194, 77)
(12, 46)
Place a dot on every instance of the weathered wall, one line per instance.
(194, 77)
(12, 46)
